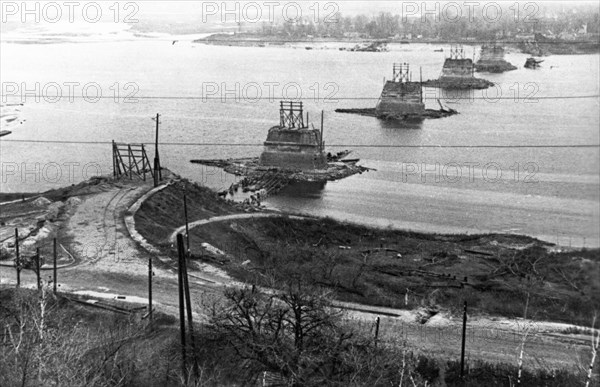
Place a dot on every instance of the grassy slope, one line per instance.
(163, 212)
(562, 286)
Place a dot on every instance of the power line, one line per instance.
(483, 146)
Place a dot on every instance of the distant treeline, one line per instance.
(443, 23)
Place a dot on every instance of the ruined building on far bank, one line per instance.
(293, 145)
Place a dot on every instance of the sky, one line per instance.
(213, 13)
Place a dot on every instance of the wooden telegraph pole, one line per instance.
(150, 289)
(462, 351)
(181, 252)
(157, 172)
(322, 119)
(17, 258)
(377, 322)
(54, 285)
(187, 229)
(188, 304)
(184, 298)
(37, 268)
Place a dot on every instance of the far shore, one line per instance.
(549, 47)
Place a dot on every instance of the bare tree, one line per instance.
(595, 345)
(295, 333)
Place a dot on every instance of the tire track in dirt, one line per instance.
(98, 229)
(107, 231)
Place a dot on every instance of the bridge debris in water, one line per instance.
(492, 60)
(401, 100)
(532, 63)
(458, 73)
(292, 152)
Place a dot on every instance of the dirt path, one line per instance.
(98, 233)
(110, 254)
(108, 262)
(224, 218)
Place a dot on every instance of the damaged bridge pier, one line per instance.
(401, 100)
(292, 152)
(401, 95)
(292, 144)
(492, 60)
(458, 73)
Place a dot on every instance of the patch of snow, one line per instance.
(212, 249)
(112, 296)
(73, 201)
(41, 202)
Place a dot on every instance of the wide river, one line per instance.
(527, 162)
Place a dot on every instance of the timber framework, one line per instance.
(131, 160)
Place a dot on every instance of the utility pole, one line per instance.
(377, 330)
(462, 351)
(54, 267)
(17, 259)
(150, 289)
(181, 252)
(114, 160)
(322, 119)
(188, 305)
(37, 267)
(157, 172)
(187, 229)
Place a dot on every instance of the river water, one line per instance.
(509, 164)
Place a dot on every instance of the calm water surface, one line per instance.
(433, 176)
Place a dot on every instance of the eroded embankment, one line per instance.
(164, 211)
(506, 275)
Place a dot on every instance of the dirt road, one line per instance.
(108, 262)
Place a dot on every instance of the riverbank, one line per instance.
(498, 274)
(544, 46)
